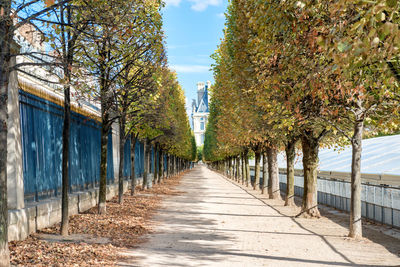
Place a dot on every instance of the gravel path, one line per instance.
(216, 222)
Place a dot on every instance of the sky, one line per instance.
(193, 30)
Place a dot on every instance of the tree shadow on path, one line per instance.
(390, 243)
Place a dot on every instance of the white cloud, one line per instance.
(201, 5)
(173, 2)
(221, 15)
(197, 5)
(190, 68)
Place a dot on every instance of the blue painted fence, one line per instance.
(41, 137)
(139, 159)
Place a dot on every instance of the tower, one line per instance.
(200, 112)
(200, 91)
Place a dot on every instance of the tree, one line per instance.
(13, 16)
(363, 83)
(199, 153)
(107, 53)
(134, 86)
(5, 45)
(289, 68)
(316, 68)
(67, 26)
(290, 150)
(164, 123)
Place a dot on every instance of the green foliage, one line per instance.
(292, 68)
(125, 61)
(194, 148)
(199, 153)
(212, 148)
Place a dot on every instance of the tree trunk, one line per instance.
(246, 159)
(232, 167)
(235, 160)
(171, 163)
(146, 163)
(122, 140)
(264, 171)
(243, 168)
(226, 167)
(290, 156)
(257, 169)
(167, 168)
(273, 173)
(155, 178)
(68, 45)
(5, 39)
(310, 146)
(230, 163)
(105, 127)
(65, 161)
(176, 165)
(160, 166)
(103, 169)
(237, 168)
(133, 174)
(150, 176)
(182, 165)
(355, 203)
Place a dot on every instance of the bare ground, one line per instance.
(217, 222)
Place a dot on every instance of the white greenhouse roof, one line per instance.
(380, 155)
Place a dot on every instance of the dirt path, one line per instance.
(217, 223)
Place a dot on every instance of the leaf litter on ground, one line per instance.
(94, 239)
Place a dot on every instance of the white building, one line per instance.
(200, 112)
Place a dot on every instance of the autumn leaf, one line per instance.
(49, 3)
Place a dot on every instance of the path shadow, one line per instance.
(219, 214)
(195, 238)
(341, 218)
(390, 243)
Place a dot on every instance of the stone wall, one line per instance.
(42, 214)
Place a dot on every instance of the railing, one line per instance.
(380, 194)
(380, 179)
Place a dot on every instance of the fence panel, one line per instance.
(41, 137)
